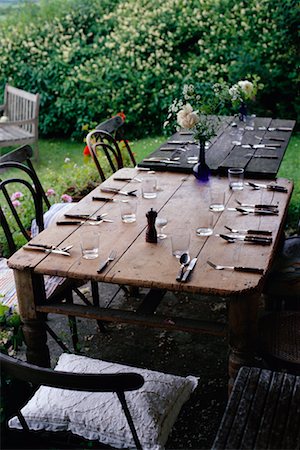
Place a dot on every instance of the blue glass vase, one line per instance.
(243, 112)
(201, 169)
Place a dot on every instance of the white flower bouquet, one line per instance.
(194, 112)
(244, 90)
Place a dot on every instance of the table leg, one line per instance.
(28, 287)
(242, 318)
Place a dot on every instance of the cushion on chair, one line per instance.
(8, 294)
(52, 215)
(99, 416)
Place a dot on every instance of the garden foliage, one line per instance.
(90, 60)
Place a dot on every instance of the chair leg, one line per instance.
(72, 323)
(96, 302)
(122, 399)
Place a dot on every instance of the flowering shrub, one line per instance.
(103, 56)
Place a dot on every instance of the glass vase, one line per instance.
(243, 112)
(201, 169)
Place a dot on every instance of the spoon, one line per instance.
(184, 260)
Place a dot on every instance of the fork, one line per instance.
(262, 232)
(110, 258)
(235, 268)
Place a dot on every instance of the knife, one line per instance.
(270, 187)
(259, 212)
(166, 149)
(250, 239)
(87, 218)
(280, 129)
(127, 179)
(164, 161)
(47, 250)
(258, 206)
(275, 139)
(189, 270)
(103, 199)
(118, 191)
(45, 246)
(267, 146)
(181, 142)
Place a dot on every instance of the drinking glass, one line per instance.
(206, 223)
(149, 190)
(236, 178)
(180, 241)
(161, 222)
(89, 241)
(217, 199)
(128, 210)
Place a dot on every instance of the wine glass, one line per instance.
(161, 222)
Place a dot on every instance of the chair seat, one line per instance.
(8, 287)
(262, 412)
(284, 279)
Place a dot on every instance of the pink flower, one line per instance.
(16, 195)
(50, 192)
(16, 203)
(66, 198)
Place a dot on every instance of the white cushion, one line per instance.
(52, 215)
(154, 407)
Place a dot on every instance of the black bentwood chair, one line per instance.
(57, 288)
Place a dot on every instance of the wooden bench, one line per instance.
(263, 412)
(19, 120)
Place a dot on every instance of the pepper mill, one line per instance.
(151, 234)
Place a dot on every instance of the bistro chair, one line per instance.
(279, 340)
(115, 127)
(103, 141)
(57, 288)
(282, 287)
(97, 400)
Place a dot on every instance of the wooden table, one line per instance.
(139, 263)
(223, 151)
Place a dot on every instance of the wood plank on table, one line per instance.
(222, 153)
(260, 167)
(115, 235)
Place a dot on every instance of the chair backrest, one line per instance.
(22, 106)
(111, 125)
(24, 154)
(28, 180)
(115, 127)
(102, 140)
(118, 383)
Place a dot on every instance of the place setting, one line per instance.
(84, 219)
(46, 248)
(180, 243)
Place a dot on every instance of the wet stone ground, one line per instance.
(179, 353)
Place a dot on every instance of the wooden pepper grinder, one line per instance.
(151, 234)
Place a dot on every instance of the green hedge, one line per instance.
(89, 60)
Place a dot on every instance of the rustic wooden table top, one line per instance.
(139, 263)
(258, 147)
